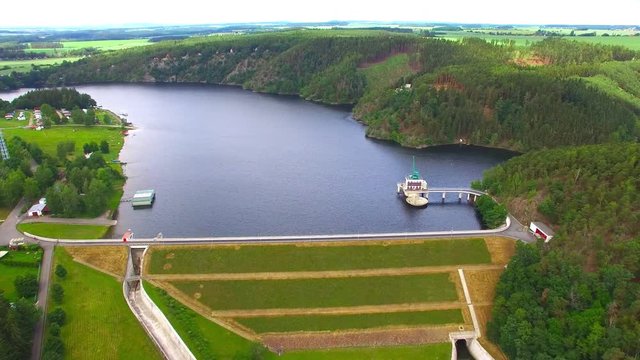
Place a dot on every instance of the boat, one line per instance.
(414, 188)
(143, 198)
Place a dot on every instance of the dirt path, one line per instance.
(321, 274)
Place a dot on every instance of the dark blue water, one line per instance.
(225, 161)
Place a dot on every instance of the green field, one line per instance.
(102, 45)
(100, 324)
(350, 322)
(12, 123)
(9, 273)
(9, 66)
(48, 139)
(64, 231)
(328, 292)
(632, 42)
(208, 340)
(384, 74)
(226, 259)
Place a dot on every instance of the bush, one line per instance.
(61, 272)
(26, 285)
(58, 316)
(492, 213)
(53, 348)
(54, 329)
(57, 293)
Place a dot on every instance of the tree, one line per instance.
(49, 115)
(104, 147)
(31, 189)
(61, 272)
(58, 316)
(57, 293)
(90, 117)
(14, 186)
(26, 285)
(95, 199)
(77, 116)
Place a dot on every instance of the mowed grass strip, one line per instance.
(276, 258)
(64, 231)
(99, 324)
(317, 293)
(350, 322)
(9, 273)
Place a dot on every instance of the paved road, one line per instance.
(7, 232)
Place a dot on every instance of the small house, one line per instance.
(38, 209)
(541, 231)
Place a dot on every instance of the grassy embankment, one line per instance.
(64, 231)
(47, 140)
(321, 292)
(355, 287)
(99, 322)
(207, 339)
(376, 255)
(30, 261)
(347, 322)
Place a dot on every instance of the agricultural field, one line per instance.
(327, 295)
(9, 66)
(14, 264)
(99, 323)
(101, 45)
(64, 231)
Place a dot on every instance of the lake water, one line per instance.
(227, 162)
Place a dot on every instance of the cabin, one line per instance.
(541, 231)
(38, 209)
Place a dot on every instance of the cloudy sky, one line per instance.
(70, 13)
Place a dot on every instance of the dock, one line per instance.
(143, 198)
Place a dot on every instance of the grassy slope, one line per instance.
(308, 293)
(384, 74)
(219, 343)
(619, 79)
(99, 325)
(312, 258)
(64, 231)
(347, 322)
(48, 139)
(9, 273)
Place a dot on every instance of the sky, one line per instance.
(73, 13)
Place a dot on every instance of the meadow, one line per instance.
(48, 139)
(99, 323)
(345, 256)
(320, 292)
(9, 66)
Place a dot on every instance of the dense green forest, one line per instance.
(17, 321)
(577, 297)
(468, 91)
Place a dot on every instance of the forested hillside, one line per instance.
(577, 297)
(441, 92)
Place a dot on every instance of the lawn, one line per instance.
(272, 258)
(9, 273)
(350, 322)
(328, 292)
(48, 139)
(64, 231)
(9, 66)
(12, 123)
(208, 340)
(100, 324)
